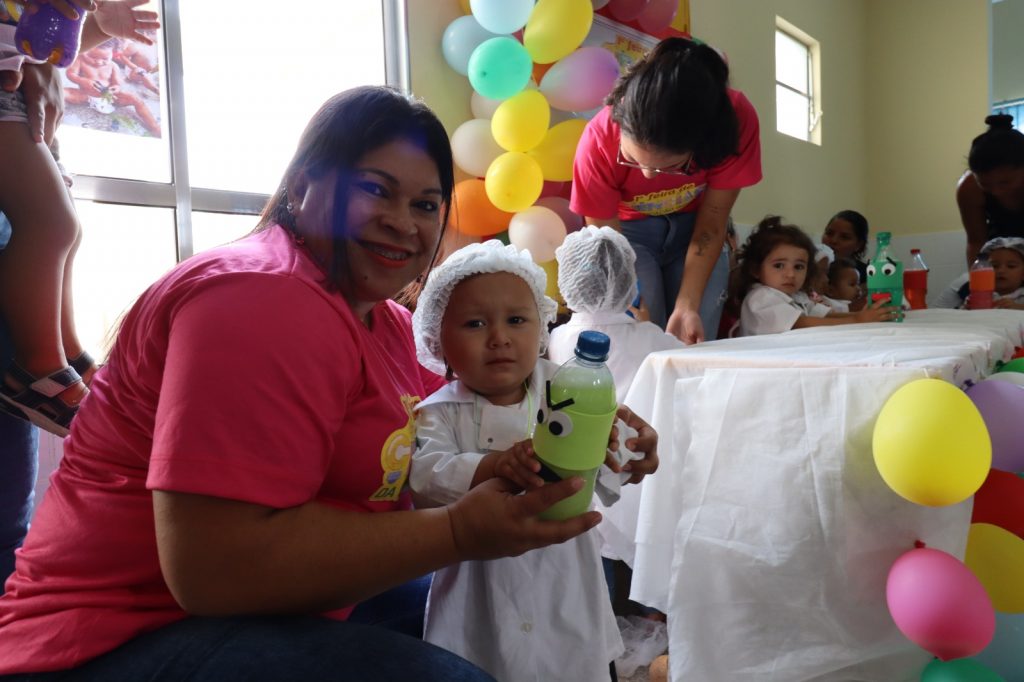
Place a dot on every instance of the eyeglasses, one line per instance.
(684, 168)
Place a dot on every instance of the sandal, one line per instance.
(83, 364)
(38, 399)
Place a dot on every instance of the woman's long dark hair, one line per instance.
(346, 128)
(1001, 145)
(675, 99)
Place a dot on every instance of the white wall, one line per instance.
(1007, 50)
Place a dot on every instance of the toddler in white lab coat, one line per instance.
(544, 616)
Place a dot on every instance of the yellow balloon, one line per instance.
(520, 122)
(464, 4)
(551, 270)
(558, 148)
(513, 182)
(556, 28)
(930, 443)
(996, 557)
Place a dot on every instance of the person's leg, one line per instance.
(19, 446)
(125, 99)
(400, 609)
(713, 301)
(271, 649)
(32, 265)
(647, 237)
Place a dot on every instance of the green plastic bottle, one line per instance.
(574, 422)
(885, 277)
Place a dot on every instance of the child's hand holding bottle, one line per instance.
(877, 311)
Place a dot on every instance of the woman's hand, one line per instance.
(686, 326)
(492, 521)
(44, 99)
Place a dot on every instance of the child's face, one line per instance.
(1009, 267)
(784, 269)
(845, 286)
(840, 235)
(490, 335)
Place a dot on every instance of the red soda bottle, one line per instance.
(915, 281)
(982, 283)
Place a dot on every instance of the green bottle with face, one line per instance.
(885, 277)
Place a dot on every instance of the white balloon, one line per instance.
(538, 229)
(460, 39)
(560, 206)
(473, 146)
(501, 16)
(483, 107)
(1010, 377)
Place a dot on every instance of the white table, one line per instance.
(767, 533)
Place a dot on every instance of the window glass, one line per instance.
(213, 229)
(115, 111)
(254, 78)
(791, 111)
(124, 250)
(791, 62)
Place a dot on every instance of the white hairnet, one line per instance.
(595, 270)
(824, 251)
(1015, 243)
(474, 259)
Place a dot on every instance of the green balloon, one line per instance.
(960, 670)
(499, 67)
(1015, 365)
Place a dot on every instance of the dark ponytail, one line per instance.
(1001, 145)
(675, 99)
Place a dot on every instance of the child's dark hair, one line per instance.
(675, 99)
(840, 264)
(1001, 145)
(860, 228)
(768, 234)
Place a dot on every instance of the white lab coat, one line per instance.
(631, 343)
(544, 616)
(770, 311)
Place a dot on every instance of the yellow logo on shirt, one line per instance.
(666, 201)
(396, 455)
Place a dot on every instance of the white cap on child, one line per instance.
(1015, 243)
(595, 271)
(475, 259)
(824, 251)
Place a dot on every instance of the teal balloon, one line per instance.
(1003, 654)
(1015, 365)
(960, 670)
(460, 39)
(499, 68)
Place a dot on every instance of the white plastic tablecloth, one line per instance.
(767, 533)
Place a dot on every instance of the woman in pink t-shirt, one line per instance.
(664, 163)
(235, 482)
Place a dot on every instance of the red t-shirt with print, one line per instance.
(238, 376)
(602, 188)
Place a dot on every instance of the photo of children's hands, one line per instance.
(492, 520)
(645, 442)
(120, 19)
(519, 464)
(876, 311)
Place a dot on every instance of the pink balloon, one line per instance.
(580, 81)
(657, 16)
(627, 10)
(939, 604)
(560, 206)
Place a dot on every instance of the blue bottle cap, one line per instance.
(593, 346)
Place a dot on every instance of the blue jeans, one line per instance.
(19, 447)
(400, 609)
(660, 243)
(271, 648)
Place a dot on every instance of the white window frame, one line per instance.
(813, 94)
(178, 194)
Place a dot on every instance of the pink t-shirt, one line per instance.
(602, 188)
(237, 375)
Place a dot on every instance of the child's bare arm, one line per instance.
(877, 311)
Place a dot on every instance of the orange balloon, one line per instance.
(473, 213)
(539, 70)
